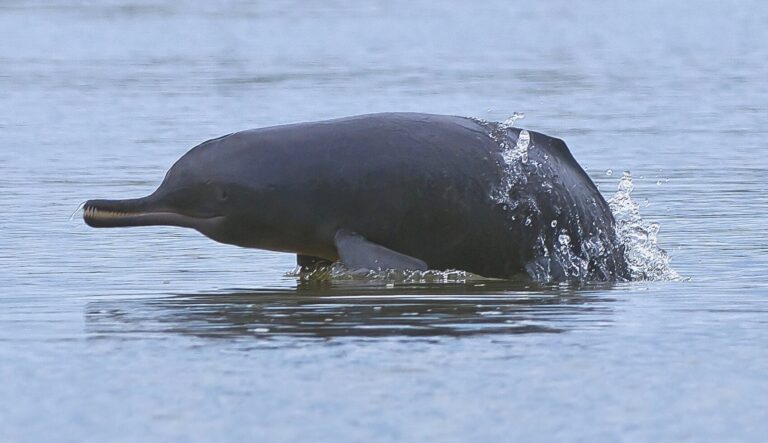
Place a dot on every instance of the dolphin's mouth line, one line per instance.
(112, 218)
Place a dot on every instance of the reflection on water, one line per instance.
(347, 309)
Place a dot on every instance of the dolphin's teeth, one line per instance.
(100, 213)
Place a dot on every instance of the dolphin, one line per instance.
(403, 191)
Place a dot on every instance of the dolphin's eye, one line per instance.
(222, 194)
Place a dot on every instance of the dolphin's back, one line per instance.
(420, 184)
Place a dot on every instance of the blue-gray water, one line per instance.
(159, 334)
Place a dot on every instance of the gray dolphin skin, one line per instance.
(390, 191)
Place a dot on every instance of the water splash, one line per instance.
(561, 251)
(645, 259)
(510, 121)
(580, 255)
(515, 156)
(337, 271)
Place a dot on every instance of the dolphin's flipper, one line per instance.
(309, 261)
(357, 252)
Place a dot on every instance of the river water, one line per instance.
(158, 334)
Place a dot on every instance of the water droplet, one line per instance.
(644, 258)
(553, 224)
(523, 140)
(609, 172)
(528, 221)
(510, 122)
(625, 183)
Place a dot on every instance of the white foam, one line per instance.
(646, 260)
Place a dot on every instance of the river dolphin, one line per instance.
(391, 191)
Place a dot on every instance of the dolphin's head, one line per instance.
(196, 193)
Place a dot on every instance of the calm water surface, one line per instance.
(159, 334)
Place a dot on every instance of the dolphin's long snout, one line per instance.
(121, 213)
(152, 210)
